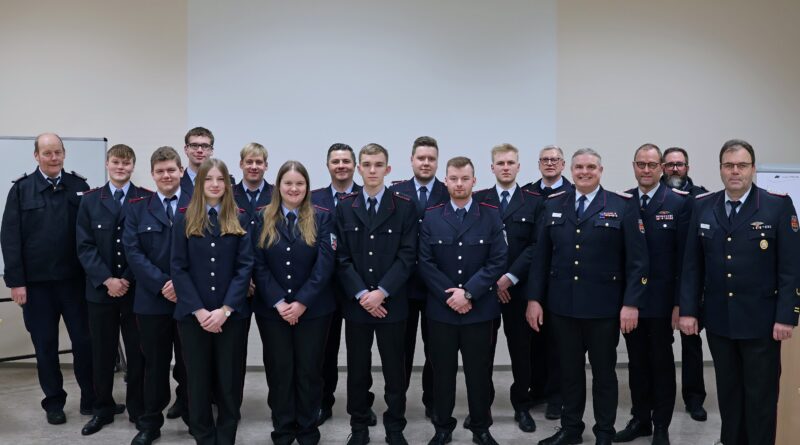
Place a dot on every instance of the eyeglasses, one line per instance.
(739, 165)
(651, 165)
(675, 165)
(550, 161)
(203, 147)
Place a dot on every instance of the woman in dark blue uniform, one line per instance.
(294, 301)
(212, 261)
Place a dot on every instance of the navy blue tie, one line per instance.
(460, 214)
(503, 202)
(645, 200)
(168, 208)
(372, 210)
(118, 195)
(253, 194)
(581, 206)
(423, 197)
(212, 218)
(291, 218)
(734, 206)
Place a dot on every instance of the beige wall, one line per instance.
(96, 68)
(684, 72)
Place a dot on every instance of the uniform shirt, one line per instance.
(173, 203)
(589, 198)
(741, 200)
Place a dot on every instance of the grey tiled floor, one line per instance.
(22, 421)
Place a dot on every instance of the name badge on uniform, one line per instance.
(81, 194)
(705, 226)
(556, 215)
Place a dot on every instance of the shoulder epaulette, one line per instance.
(92, 190)
(241, 210)
(319, 189)
(781, 194)
(322, 208)
(486, 204)
(557, 194)
(182, 209)
(21, 176)
(399, 181)
(441, 204)
(260, 208)
(78, 174)
(531, 192)
(703, 195)
(624, 195)
(680, 192)
(349, 195)
(135, 200)
(402, 196)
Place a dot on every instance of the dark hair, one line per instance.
(424, 141)
(460, 162)
(647, 146)
(121, 151)
(198, 131)
(341, 147)
(737, 144)
(165, 153)
(673, 150)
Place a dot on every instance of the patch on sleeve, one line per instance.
(795, 226)
(333, 241)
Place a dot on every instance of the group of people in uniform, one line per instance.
(563, 267)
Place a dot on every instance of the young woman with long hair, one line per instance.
(212, 261)
(294, 261)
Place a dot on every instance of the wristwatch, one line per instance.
(467, 295)
(227, 311)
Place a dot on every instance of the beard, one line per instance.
(676, 181)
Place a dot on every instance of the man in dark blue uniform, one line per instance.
(462, 255)
(519, 210)
(651, 364)
(425, 191)
(741, 270)
(147, 240)
(110, 287)
(199, 147)
(253, 192)
(544, 363)
(377, 246)
(590, 266)
(43, 272)
(341, 164)
(693, 388)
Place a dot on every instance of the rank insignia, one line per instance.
(759, 225)
(795, 225)
(763, 244)
(608, 215)
(641, 227)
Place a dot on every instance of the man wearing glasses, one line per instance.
(665, 213)
(693, 388)
(199, 147)
(551, 164)
(544, 357)
(741, 261)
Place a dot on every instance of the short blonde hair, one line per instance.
(504, 148)
(253, 148)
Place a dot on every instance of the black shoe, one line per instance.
(358, 437)
(635, 428)
(440, 438)
(396, 438)
(373, 419)
(56, 417)
(323, 415)
(95, 424)
(660, 436)
(146, 437)
(174, 411)
(603, 441)
(525, 421)
(553, 411)
(562, 437)
(698, 413)
(467, 422)
(484, 438)
(118, 409)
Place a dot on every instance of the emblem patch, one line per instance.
(333, 241)
(795, 225)
(763, 244)
(665, 215)
(641, 227)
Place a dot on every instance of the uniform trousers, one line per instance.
(693, 387)
(545, 368)
(213, 366)
(391, 346)
(651, 370)
(475, 341)
(47, 302)
(519, 337)
(293, 357)
(748, 377)
(157, 334)
(330, 366)
(574, 338)
(106, 320)
(416, 312)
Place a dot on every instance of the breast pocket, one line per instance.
(102, 225)
(613, 224)
(148, 234)
(763, 238)
(32, 205)
(521, 226)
